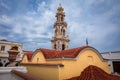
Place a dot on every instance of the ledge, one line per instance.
(24, 75)
(9, 69)
(43, 64)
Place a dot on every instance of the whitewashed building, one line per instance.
(5, 46)
(114, 60)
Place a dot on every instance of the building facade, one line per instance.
(113, 59)
(5, 46)
(63, 64)
(60, 40)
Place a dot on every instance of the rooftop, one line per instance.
(114, 55)
(70, 53)
(95, 73)
(58, 54)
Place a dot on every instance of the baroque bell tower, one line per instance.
(60, 40)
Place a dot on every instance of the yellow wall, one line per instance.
(71, 67)
(44, 72)
(84, 59)
(38, 58)
(24, 60)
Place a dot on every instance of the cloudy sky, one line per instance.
(30, 22)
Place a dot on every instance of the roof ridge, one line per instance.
(64, 50)
(69, 53)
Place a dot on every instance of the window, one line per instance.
(37, 59)
(2, 48)
(14, 48)
(91, 60)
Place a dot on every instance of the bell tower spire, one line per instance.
(60, 40)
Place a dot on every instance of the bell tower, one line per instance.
(60, 40)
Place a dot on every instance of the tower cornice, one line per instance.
(60, 23)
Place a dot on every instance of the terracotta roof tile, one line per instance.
(29, 55)
(70, 53)
(95, 73)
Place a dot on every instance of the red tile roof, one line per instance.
(44, 64)
(29, 55)
(25, 75)
(54, 54)
(95, 73)
(70, 53)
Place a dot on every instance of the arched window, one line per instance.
(7, 64)
(17, 64)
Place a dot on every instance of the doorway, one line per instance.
(116, 66)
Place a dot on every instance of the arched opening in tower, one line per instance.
(63, 47)
(63, 32)
(61, 18)
(55, 46)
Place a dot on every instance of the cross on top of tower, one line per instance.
(60, 9)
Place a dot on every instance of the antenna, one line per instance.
(86, 42)
(86, 36)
